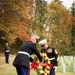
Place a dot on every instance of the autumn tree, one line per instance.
(73, 26)
(15, 20)
(59, 27)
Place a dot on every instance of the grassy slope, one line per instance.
(8, 69)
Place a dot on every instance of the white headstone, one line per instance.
(63, 68)
(74, 67)
(69, 62)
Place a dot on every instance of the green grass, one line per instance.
(8, 69)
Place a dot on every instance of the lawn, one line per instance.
(8, 69)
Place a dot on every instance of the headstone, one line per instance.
(74, 58)
(74, 67)
(63, 68)
(69, 62)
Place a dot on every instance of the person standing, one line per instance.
(52, 55)
(23, 58)
(6, 53)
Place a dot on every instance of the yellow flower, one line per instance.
(40, 70)
(47, 71)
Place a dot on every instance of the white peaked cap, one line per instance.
(43, 42)
(35, 36)
(6, 43)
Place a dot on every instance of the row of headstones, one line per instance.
(69, 60)
(64, 68)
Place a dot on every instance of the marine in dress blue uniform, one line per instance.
(6, 53)
(21, 61)
(52, 55)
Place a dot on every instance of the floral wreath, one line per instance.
(40, 69)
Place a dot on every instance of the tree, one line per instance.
(60, 25)
(73, 26)
(58, 1)
(14, 19)
(39, 17)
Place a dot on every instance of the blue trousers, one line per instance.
(6, 57)
(52, 72)
(22, 70)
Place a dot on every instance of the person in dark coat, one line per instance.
(23, 58)
(6, 53)
(52, 55)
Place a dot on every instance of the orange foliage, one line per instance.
(66, 18)
(66, 40)
(22, 32)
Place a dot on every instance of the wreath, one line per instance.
(43, 70)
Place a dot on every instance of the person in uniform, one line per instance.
(23, 58)
(52, 55)
(6, 53)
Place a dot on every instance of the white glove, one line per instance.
(55, 67)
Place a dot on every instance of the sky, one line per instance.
(66, 3)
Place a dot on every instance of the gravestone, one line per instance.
(63, 68)
(74, 67)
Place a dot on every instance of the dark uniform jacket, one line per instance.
(6, 49)
(51, 53)
(23, 59)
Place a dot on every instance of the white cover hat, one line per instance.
(35, 36)
(43, 42)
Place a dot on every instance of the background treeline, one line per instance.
(21, 18)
